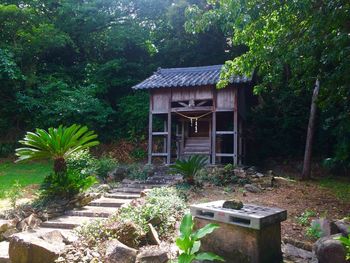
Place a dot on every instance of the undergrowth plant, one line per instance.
(314, 231)
(190, 167)
(346, 243)
(14, 193)
(189, 241)
(304, 218)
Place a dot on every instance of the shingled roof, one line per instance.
(186, 77)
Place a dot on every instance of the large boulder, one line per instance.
(330, 250)
(117, 252)
(28, 248)
(153, 256)
(126, 232)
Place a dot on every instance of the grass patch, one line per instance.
(339, 186)
(25, 173)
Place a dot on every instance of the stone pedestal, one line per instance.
(237, 244)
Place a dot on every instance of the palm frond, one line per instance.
(55, 143)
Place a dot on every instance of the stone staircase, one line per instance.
(100, 208)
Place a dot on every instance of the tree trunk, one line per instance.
(306, 174)
(60, 166)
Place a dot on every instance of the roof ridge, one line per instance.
(190, 69)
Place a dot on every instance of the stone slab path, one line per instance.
(100, 208)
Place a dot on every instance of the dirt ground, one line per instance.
(294, 196)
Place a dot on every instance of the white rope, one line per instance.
(195, 119)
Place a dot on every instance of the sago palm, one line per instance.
(56, 144)
(190, 167)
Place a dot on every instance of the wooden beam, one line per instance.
(150, 130)
(226, 155)
(160, 133)
(225, 132)
(192, 109)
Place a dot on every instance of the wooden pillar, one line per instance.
(168, 158)
(182, 146)
(150, 130)
(164, 138)
(235, 130)
(213, 133)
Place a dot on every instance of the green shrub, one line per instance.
(346, 243)
(6, 149)
(104, 165)
(83, 162)
(138, 154)
(189, 168)
(66, 185)
(139, 172)
(162, 208)
(189, 241)
(14, 193)
(304, 218)
(314, 231)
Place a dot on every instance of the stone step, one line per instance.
(127, 190)
(67, 222)
(120, 195)
(141, 185)
(69, 234)
(4, 252)
(108, 202)
(92, 211)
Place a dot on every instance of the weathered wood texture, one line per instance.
(202, 93)
(225, 99)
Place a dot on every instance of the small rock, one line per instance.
(117, 252)
(5, 225)
(53, 237)
(31, 222)
(145, 192)
(259, 175)
(329, 250)
(8, 233)
(233, 204)
(152, 256)
(152, 236)
(252, 188)
(343, 227)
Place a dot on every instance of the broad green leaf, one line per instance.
(209, 228)
(209, 256)
(186, 225)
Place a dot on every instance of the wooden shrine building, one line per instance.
(188, 115)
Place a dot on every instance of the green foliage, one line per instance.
(66, 185)
(58, 102)
(133, 115)
(104, 165)
(138, 154)
(6, 149)
(346, 243)
(56, 143)
(286, 64)
(82, 162)
(139, 172)
(339, 186)
(189, 241)
(162, 207)
(314, 231)
(14, 193)
(189, 168)
(304, 218)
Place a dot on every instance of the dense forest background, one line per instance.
(74, 61)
